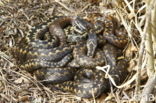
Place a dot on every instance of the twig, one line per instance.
(63, 5)
(84, 8)
(129, 6)
(142, 45)
(149, 44)
(6, 57)
(147, 91)
(139, 65)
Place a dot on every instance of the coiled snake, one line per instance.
(66, 60)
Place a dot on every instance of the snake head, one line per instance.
(99, 26)
(85, 76)
(81, 24)
(91, 44)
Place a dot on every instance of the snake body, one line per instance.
(43, 53)
(114, 34)
(47, 52)
(92, 82)
(55, 75)
(83, 60)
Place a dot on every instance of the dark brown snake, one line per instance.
(46, 51)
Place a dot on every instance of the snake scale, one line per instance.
(64, 51)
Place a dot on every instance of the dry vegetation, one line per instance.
(137, 16)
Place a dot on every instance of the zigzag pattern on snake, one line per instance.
(47, 52)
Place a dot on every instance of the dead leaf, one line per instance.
(21, 80)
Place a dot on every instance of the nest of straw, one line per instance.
(137, 16)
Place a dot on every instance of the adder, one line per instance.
(46, 52)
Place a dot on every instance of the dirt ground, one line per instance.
(17, 16)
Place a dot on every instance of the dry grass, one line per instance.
(17, 16)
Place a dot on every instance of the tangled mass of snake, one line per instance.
(64, 52)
